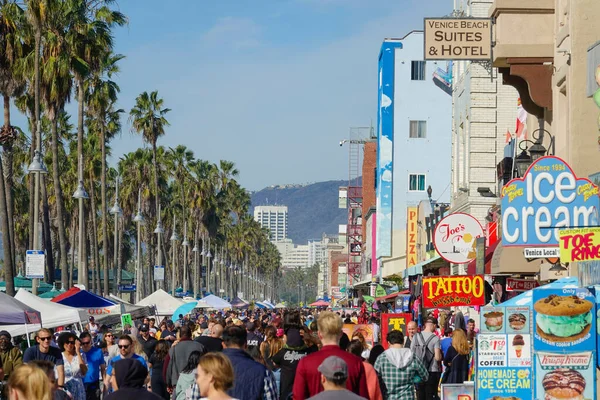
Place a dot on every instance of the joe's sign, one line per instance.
(547, 198)
(451, 291)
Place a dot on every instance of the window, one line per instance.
(417, 70)
(418, 129)
(416, 182)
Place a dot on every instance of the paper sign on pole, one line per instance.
(126, 320)
(34, 264)
(159, 272)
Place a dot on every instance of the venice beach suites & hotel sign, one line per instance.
(458, 39)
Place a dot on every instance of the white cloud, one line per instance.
(385, 151)
(386, 176)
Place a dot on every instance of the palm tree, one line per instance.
(147, 118)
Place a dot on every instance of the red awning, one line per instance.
(392, 295)
(489, 252)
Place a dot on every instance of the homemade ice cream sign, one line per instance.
(450, 291)
(458, 39)
(548, 198)
(454, 238)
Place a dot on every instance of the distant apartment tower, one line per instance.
(275, 218)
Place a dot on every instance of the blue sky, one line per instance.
(272, 85)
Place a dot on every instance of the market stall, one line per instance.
(94, 305)
(165, 303)
(239, 303)
(215, 302)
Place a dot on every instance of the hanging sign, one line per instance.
(458, 39)
(579, 244)
(34, 264)
(520, 285)
(549, 197)
(411, 236)
(451, 291)
(455, 238)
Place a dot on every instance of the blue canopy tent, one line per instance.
(184, 309)
(526, 298)
(259, 305)
(239, 303)
(96, 306)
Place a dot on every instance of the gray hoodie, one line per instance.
(401, 358)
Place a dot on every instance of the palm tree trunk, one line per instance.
(121, 222)
(149, 238)
(9, 270)
(47, 231)
(32, 205)
(94, 234)
(8, 175)
(62, 235)
(103, 213)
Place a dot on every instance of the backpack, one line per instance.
(421, 349)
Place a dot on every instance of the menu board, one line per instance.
(504, 363)
(564, 320)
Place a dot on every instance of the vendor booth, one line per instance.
(94, 305)
(164, 303)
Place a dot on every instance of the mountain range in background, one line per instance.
(312, 208)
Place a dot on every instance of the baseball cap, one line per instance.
(334, 367)
(144, 328)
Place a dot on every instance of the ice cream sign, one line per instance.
(549, 197)
(454, 238)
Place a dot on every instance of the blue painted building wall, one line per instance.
(417, 100)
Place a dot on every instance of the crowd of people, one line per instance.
(253, 355)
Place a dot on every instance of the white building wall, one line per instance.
(483, 111)
(275, 218)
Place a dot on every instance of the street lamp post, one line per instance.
(185, 245)
(80, 194)
(37, 167)
(216, 264)
(174, 238)
(208, 256)
(116, 211)
(195, 251)
(159, 231)
(138, 219)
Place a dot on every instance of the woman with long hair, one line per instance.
(75, 364)
(187, 377)
(29, 382)
(456, 360)
(366, 350)
(156, 363)
(271, 345)
(356, 347)
(214, 377)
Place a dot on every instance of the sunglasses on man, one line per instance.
(45, 338)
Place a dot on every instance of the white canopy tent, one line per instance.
(165, 303)
(213, 302)
(53, 314)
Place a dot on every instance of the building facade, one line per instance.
(484, 112)
(414, 135)
(274, 218)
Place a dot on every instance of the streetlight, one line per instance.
(37, 168)
(80, 194)
(116, 211)
(139, 219)
(174, 238)
(208, 256)
(185, 245)
(195, 251)
(159, 231)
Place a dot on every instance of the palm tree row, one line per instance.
(53, 52)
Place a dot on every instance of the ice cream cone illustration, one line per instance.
(518, 343)
(519, 351)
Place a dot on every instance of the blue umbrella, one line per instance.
(184, 309)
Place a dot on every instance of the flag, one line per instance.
(521, 130)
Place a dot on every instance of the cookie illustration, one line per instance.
(494, 320)
(563, 318)
(564, 383)
(517, 321)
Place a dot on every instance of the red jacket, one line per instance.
(308, 378)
